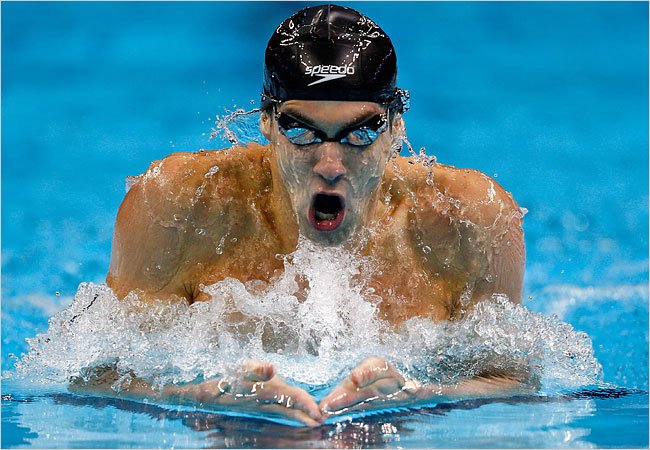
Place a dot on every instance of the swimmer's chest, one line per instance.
(402, 277)
(397, 271)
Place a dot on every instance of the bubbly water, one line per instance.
(313, 336)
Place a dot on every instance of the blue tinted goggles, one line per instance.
(360, 135)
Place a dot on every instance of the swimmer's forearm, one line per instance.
(137, 388)
(474, 388)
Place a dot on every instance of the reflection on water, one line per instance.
(560, 421)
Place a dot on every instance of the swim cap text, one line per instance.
(328, 72)
(324, 69)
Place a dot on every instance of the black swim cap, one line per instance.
(330, 52)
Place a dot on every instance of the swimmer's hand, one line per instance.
(373, 384)
(255, 388)
(376, 384)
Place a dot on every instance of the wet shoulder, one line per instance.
(464, 194)
(188, 184)
(474, 196)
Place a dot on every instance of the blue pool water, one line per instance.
(549, 98)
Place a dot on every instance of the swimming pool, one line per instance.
(549, 98)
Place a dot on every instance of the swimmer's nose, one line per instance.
(330, 165)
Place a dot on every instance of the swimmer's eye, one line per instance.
(367, 133)
(297, 133)
(301, 136)
(360, 137)
(363, 135)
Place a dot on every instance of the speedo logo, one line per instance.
(328, 72)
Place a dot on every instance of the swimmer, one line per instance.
(442, 239)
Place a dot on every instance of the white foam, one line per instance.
(313, 336)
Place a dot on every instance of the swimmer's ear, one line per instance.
(265, 125)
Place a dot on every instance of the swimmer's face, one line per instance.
(331, 157)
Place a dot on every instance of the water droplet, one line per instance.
(200, 231)
(233, 240)
(57, 293)
(426, 249)
(130, 181)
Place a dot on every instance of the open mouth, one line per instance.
(326, 212)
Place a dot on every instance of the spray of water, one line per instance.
(315, 322)
(237, 127)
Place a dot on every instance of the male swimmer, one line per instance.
(332, 114)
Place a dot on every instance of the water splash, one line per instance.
(238, 127)
(315, 322)
(401, 143)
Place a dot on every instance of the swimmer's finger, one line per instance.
(294, 414)
(337, 400)
(258, 371)
(306, 403)
(347, 398)
(290, 397)
(372, 370)
(349, 401)
(343, 396)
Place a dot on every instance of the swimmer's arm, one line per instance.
(376, 384)
(504, 271)
(474, 230)
(485, 386)
(256, 389)
(156, 243)
(146, 252)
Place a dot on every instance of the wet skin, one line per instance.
(438, 248)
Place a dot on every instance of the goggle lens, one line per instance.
(299, 134)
